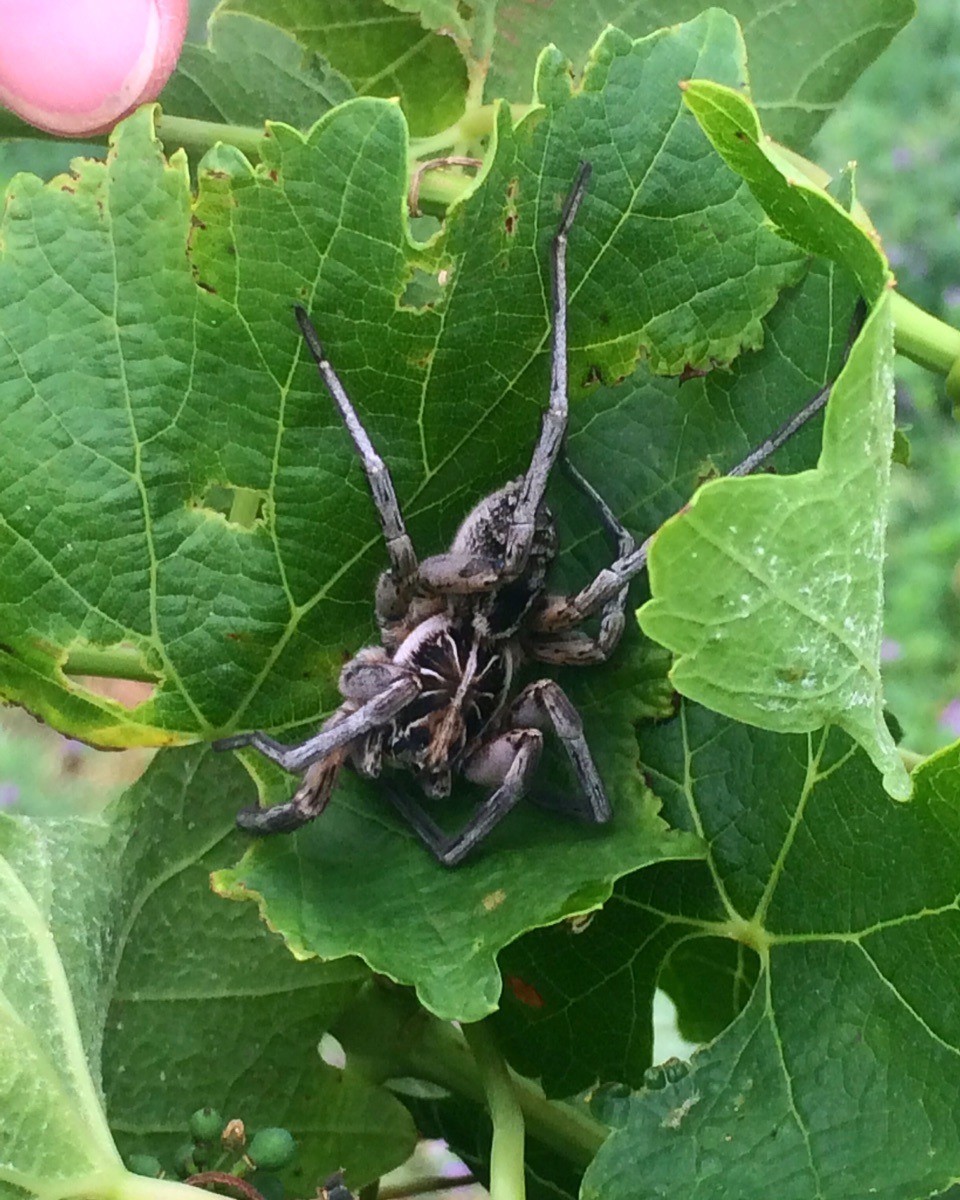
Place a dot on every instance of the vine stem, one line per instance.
(928, 341)
(507, 1179)
(119, 662)
(441, 1055)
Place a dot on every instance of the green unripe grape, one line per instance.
(206, 1124)
(145, 1164)
(184, 1162)
(272, 1149)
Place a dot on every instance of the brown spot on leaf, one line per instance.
(592, 376)
(510, 223)
(525, 992)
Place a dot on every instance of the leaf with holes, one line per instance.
(183, 496)
(121, 966)
(839, 1076)
(804, 56)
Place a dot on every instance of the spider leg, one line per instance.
(558, 613)
(563, 613)
(307, 802)
(545, 705)
(513, 758)
(403, 560)
(554, 425)
(335, 732)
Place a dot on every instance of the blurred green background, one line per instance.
(901, 123)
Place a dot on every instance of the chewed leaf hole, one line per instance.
(424, 289)
(240, 506)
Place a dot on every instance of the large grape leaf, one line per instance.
(246, 70)
(150, 364)
(651, 442)
(839, 1077)
(804, 56)
(118, 964)
(381, 51)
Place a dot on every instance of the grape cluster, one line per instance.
(222, 1148)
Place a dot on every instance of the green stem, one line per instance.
(121, 662)
(198, 136)
(507, 1179)
(441, 1055)
(193, 135)
(445, 187)
(927, 341)
(910, 758)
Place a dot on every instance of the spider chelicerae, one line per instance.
(437, 696)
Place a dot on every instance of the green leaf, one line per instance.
(248, 70)
(472, 27)
(381, 51)
(839, 1077)
(53, 1130)
(770, 590)
(801, 210)
(804, 56)
(127, 964)
(126, 360)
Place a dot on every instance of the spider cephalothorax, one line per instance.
(437, 697)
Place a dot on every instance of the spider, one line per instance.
(436, 697)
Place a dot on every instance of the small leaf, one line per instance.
(770, 590)
(803, 212)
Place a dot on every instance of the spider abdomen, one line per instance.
(465, 680)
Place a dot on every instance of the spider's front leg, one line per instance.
(508, 520)
(553, 429)
(403, 559)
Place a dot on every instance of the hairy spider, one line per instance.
(436, 697)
